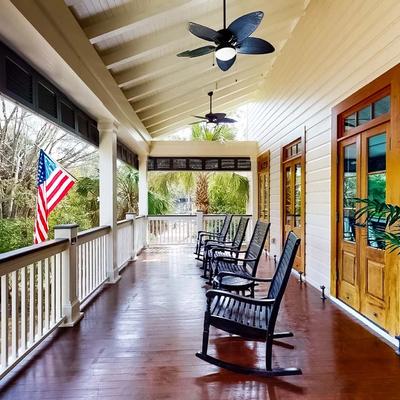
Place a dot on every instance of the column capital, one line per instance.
(107, 125)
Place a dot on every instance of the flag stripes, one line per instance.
(53, 184)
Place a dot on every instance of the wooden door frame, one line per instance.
(389, 83)
(264, 157)
(302, 158)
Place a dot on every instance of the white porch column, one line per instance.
(108, 191)
(252, 207)
(143, 186)
(143, 197)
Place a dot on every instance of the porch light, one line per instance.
(225, 52)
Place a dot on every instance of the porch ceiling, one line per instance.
(138, 42)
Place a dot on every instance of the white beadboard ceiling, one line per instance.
(138, 41)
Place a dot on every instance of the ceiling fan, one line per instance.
(230, 40)
(214, 118)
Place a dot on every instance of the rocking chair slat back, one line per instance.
(241, 230)
(256, 246)
(225, 227)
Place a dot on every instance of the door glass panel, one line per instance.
(288, 196)
(349, 191)
(297, 196)
(266, 196)
(376, 185)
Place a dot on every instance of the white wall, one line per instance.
(337, 47)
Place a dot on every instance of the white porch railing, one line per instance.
(31, 298)
(182, 229)
(124, 242)
(171, 229)
(139, 234)
(91, 260)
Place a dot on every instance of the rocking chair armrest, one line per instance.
(213, 240)
(222, 248)
(242, 275)
(234, 259)
(250, 300)
(209, 234)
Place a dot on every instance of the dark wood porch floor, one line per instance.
(139, 337)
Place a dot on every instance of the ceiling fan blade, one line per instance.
(227, 121)
(253, 45)
(225, 65)
(201, 51)
(245, 25)
(197, 116)
(202, 32)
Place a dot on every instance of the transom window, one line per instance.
(367, 113)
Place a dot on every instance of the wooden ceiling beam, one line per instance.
(205, 81)
(218, 103)
(239, 100)
(123, 21)
(203, 103)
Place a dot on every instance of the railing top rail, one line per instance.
(141, 216)
(13, 260)
(172, 216)
(93, 233)
(124, 222)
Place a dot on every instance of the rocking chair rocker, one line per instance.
(250, 318)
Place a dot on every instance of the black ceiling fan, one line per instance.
(230, 40)
(214, 118)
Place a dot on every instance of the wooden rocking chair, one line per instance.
(220, 236)
(250, 318)
(212, 247)
(248, 265)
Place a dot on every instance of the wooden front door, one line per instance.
(293, 207)
(362, 275)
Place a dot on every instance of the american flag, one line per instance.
(53, 183)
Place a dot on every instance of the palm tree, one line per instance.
(200, 182)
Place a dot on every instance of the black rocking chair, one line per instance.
(247, 265)
(250, 318)
(220, 236)
(213, 248)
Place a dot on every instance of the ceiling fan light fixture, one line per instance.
(211, 125)
(225, 52)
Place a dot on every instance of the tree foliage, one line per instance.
(216, 192)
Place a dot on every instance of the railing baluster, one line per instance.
(46, 295)
(24, 310)
(40, 299)
(14, 315)
(53, 290)
(58, 286)
(32, 308)
(4, 321)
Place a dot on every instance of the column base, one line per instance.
(73, 322)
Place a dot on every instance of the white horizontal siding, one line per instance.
(336, 48)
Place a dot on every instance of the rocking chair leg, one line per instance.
(268, 352)
(206, 333)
